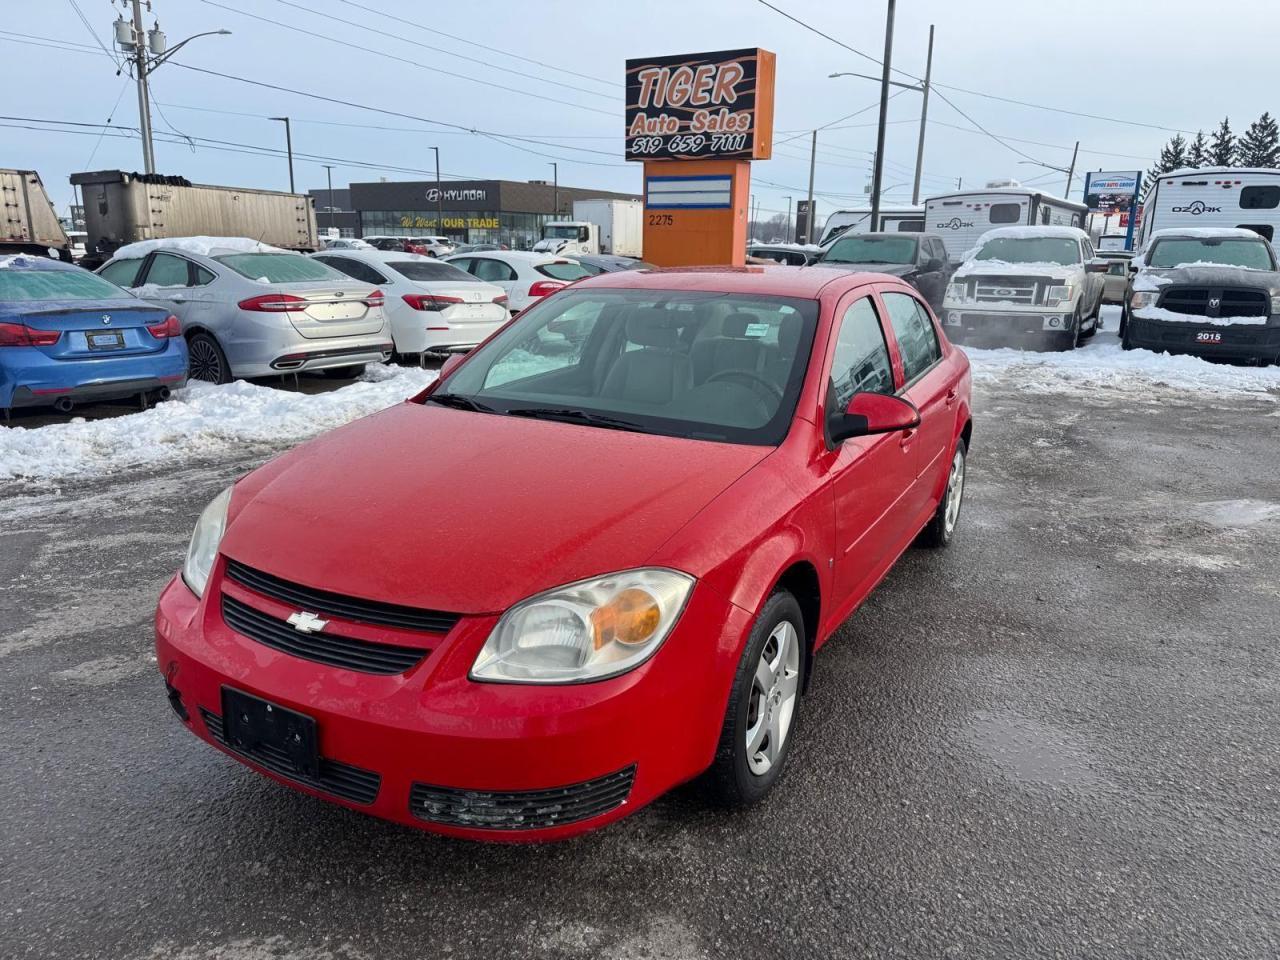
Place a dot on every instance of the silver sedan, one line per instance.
(248, 310)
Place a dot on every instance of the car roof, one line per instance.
(1034, 232)
(528, 256)
(764, 280)
(1195, 233)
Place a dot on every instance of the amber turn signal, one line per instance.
(630, 617)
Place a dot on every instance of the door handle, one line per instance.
(907, 436)
(951, 396)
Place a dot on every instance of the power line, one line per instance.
(391, 56)
(1022, 153)
(88, 26)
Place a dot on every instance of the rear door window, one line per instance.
(1005, 212)
(166, 270)
(494, 271)
(123, 273)
(917, 340)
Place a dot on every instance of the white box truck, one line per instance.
(1246, 197)
(962, 218)
(598, 226)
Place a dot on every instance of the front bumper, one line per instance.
(31, 378)
(432, 749)
(974, 322)
(1243, 341)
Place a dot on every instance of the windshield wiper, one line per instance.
(458, 402)
(568, 415)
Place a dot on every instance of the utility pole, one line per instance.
(288, 142)
(147, 50)
(808, 221)
(439, 196)
(555, 182)
(877, 176)
(786, 236)
(1071, 171)
(924, 116)
(328, 169)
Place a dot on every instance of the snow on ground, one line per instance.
(200, 420)
(1102, 369)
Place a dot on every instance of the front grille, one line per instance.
(1198, 302)
(348, 608)
(365, 656)
(523, 809)
(1007, 290)
(340, 779)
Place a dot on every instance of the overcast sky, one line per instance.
(1184, 69)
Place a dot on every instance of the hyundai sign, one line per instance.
(701, 106)
(1109, 192)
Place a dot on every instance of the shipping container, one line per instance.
(29, 224)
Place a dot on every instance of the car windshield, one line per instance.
(431, 270)
(1178, 252)
(706, 366)
(561, 231)
(278, 267)
(18, 285)
(1063, 251)
(871, 250)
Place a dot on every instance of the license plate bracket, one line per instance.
(253, 725)
(113, 340)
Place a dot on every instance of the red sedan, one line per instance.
(594, 560)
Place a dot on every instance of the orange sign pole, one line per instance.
(697, 121)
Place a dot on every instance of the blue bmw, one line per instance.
(68, 337)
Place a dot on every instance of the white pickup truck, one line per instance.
(1019, 286)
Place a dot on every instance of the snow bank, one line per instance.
(202, 246)
(201, 420)
(1103, 370)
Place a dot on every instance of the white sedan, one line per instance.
(526, 277)
(432, 307)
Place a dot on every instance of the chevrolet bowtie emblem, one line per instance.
(305, 622)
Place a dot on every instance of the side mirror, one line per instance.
(873, 413)
(450, 363)
(1096, 266)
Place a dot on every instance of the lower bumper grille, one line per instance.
(364, 656)
(340, 779)
(523, 809)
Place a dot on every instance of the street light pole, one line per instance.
(878, 174)
(555, 182)
(144, 94)
(439, 196)
(786, 236)
(328, 169)
(924, 116)
(288, 142)
(808, 220)
(1071, 171)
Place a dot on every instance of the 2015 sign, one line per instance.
(701, 106)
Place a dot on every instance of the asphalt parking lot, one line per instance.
(1056, 739)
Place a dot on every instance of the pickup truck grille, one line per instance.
(1216, 301)
(1019, 290)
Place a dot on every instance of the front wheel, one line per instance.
(756, 737)
(941, 529)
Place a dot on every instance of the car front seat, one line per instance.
(659, 371)
(732, 350)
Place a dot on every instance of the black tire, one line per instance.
(1126, 342)
(344, 373)
(732, 780)
(1070, 339)
(1124, 320)
(205, 359)
(1096, 316)
(938, 532)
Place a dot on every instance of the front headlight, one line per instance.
(585, 631)
(1143, 298)
(1060, 293)
(204, 543)
(1275, 303)
(955, 291)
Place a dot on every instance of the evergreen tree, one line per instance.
(1260, 145)
(1198, 152)
(1222, 149)
(1173, 156)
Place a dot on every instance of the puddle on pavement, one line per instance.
(1033, 752)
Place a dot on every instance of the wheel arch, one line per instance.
(800, 579)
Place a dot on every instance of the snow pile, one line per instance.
(1033, 233)
(1008, 268)
(1103, 370)
(202, 246)
(201, 420)
(1170, 316)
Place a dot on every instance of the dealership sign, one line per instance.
(1109, 192)
(435, 194)
(701, 106)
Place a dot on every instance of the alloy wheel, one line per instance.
(955, 491)
(773, 698)
(205, 364)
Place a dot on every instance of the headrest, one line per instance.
(653, 327)
(735, 324)
(789, 335)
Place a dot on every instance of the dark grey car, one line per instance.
(918, 258)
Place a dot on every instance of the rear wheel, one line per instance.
(205, 359)
(756, 737)
(942, 528)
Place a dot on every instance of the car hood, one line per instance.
(470, 512)
(892, 269)
(1211, 275)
